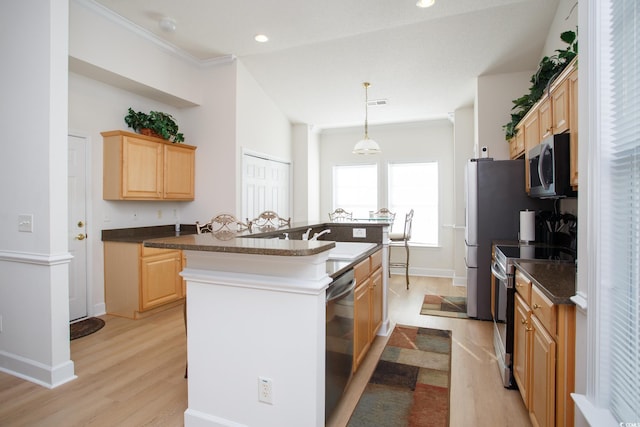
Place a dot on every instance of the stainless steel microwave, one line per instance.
(549, 168)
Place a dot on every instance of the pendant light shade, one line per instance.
(366, 145)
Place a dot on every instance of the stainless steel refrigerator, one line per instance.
(495, 195)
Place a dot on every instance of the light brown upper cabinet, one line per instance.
(556, 112)
(139, 167)
(573, 114)
(560, 107)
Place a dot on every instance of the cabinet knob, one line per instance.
(536, 306)
(523, 321)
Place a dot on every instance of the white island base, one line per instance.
(251, 317)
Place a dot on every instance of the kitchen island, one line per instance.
(256, 314)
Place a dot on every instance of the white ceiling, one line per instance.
(423, 61)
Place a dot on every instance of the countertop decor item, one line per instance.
(156, 123)
(549, 68)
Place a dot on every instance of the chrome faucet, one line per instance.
(305, 236)
(316, 235)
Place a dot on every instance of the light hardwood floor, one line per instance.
(130, 373)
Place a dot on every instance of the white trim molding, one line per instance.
(36, 258)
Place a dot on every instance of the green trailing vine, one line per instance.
(549, 69)
(162, 124)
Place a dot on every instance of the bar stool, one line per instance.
(340, 215)
(384, 213)
(399, 240)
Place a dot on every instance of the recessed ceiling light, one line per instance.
(425, 3)
(168, 24)
(261, 38)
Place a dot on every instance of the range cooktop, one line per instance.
(537, 252)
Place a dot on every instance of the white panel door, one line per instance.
(77, 228)
(265, 186)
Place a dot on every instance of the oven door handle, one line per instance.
(497, 271)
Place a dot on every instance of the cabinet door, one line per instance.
(545, 112)
(361, 326)
(543, 376)
(560, 107)
(573, 123)
(141, 169)
(376, 302)
(179, 172)
(521, 346)
(531, 129)
(160, 282)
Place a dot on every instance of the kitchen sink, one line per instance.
(349, 250)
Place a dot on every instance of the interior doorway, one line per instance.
(266, 184)
(77, 226)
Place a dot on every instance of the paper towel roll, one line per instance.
(527, 226)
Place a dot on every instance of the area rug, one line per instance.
(410, 385)
(447, 306)
(85, 327)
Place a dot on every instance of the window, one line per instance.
(355, 189)
(620, 191)
(415, 186)
(614, 217)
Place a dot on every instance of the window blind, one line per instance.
(621, 240)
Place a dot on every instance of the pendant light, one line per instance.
(366, 145)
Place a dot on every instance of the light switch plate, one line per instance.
(25, 223)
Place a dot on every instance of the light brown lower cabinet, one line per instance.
(367, 305)
(140, 281)
(543, 355)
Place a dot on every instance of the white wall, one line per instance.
(494, 100)
(411, 142)
(463, 151)
(566, 19)
(34, 269)
(306, 175)
(261, 127)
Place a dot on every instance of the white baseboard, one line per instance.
(36, 372)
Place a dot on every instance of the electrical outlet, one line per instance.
(360, 233)
(159, 213)
(265, 390)
(135, 216)
(0, 323)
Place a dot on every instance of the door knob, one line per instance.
(81, 236)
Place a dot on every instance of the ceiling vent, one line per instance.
(376, 102)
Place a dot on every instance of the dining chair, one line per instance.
(400, 240)
(268, 221)
(340, 215)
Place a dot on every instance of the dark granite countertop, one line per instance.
(256, 242)
(209, 242)
(556, 280)
(140, 234)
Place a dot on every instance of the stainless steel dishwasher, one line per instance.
(339, 339)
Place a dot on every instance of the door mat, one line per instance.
(447, 306)
(85, 327)
(410, 385)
